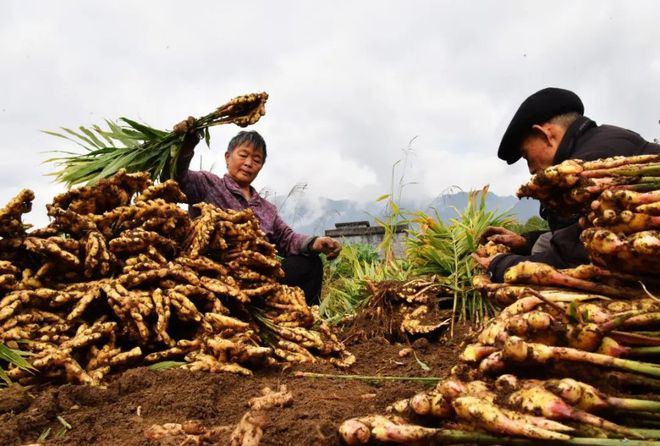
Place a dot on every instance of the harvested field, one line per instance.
(570, 355)
(139, 398)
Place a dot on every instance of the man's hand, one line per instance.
(328, 246)
(503, 236)
(483, 262)
(185, 126)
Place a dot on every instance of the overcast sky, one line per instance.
(350, 82)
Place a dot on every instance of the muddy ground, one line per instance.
(138, 398)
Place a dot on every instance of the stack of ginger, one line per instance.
(399, 310)
(574, 353)
(619, 200)
(122, 276)
(555, 364)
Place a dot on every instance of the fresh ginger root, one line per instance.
(280, 398)
(248, 432)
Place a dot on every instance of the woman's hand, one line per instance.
(184, 126)
(191, 138)
(503, 236)
(328, 246)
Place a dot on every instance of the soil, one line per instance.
(119, 413)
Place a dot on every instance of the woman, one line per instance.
(245, 156)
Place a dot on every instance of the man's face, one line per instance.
(538, 151)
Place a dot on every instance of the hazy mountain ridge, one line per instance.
(313, 216)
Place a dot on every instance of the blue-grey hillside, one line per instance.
(313, 216)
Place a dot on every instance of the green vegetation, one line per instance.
(166, 365)
(126, 144)
(13, 357)
(534, 223)
(136, 147)
(443, 249)
(343, 267)
(433, 248)
(346, 288)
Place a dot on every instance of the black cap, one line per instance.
(536, 109)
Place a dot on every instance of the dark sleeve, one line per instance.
(192, 183)
(287, 241)
(199, 186)
(566, 251)
(531, 237)
(652, 148)
(607, 140)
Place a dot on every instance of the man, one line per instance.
(549, 128)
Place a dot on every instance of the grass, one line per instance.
(443, 249)
(393, 214)
(13, 357)
(433, 248)
(346, 291)
(166, 365)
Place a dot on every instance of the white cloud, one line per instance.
(466, 170)
(350, 82)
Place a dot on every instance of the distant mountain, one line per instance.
(313, 216)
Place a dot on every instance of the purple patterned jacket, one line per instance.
(203, 186)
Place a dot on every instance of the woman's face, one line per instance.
(244, 163)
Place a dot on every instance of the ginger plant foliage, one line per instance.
(435, 247)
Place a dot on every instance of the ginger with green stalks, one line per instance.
(489, 416)
(539, 401)
(637, 253)
(472, 402)
(504, 294)
(518, 351)
(588, 398)
(518, 317)
(626, 222)
(573, 183)
(542, 274)
(625, 199)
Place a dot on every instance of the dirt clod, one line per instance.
(14, 398)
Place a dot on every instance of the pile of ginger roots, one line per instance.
(573, 354)
(122, 276)
(619, 202)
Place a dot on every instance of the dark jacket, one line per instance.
(586, 141)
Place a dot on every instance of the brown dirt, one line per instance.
(138, 398)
